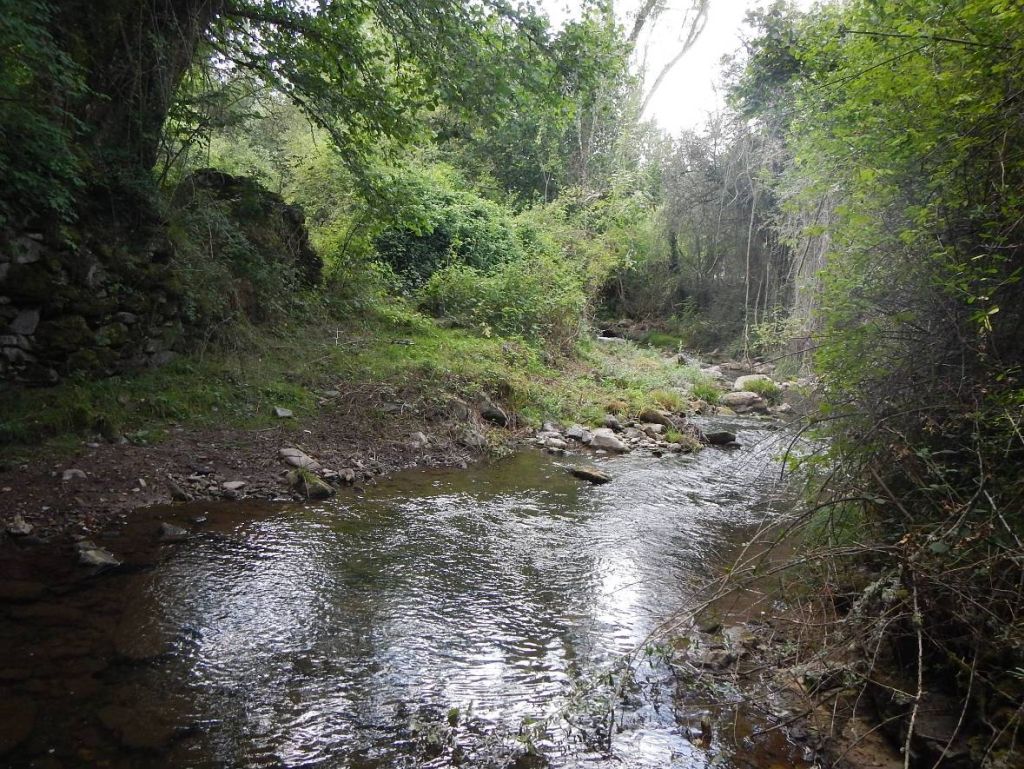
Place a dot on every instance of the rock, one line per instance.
(178, 494)
(17, 719)
(171, 533)
(657, 417)
(494, 414)
(473, 438)
(783, 408)
(591, 474)
(555, 443)
(233, 485)
(459, 410)
(282, 413)
(743, 400)
(717, 659)
(26, 323)
(127, 318)
(164, 357)
(310, 485)
(742, 383)
(720, 438)
(330, 393)
(605, 438)
(612, 422)
(347, 475)
(652, 430)
(300, 459)
(740, 638)
(19, 527)
(579, 433)
(94, 556)
(72, 474)
(725, 411)
(418, 441)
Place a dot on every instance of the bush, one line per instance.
(447, 227)
(539, 297)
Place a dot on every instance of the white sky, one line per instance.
(688, 94)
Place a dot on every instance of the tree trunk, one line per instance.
(133, 54)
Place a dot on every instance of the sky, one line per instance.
(690, 91)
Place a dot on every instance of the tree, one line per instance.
(361, 70)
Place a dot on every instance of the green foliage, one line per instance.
(707, 391)
(438, 226)
(540, 297)
(231, 263)
(767, 389)
(38, 165)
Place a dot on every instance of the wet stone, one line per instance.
(171, 533)
(591, 474)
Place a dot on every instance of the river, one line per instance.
(474, 618)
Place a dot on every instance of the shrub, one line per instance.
(539, 297)
(449, 228)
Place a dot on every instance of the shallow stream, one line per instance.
(472, 618)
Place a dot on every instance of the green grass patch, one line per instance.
(767, 389)
(391, 346)
(707, 391)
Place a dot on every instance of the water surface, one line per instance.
(442, 618)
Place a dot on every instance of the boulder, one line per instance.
(743, 383)
(178, 494)
(308, 484)
(743, 400)
(657, 417)
(473, 438)
(612, 422)
(300, 459)
(94, 556)
(605, 438)
(233, 485)
(282, 413)
(652, 429)
(458, 410)
(555, 443)
(25, 323)
(591, 474)
(72, 474)
(579, 433)
(720, 438)
(171, 533)
(493, 414)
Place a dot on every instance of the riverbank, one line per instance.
(359, 399)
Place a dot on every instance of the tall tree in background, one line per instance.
(360, 70)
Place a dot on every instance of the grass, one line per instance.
(392, 346)
(767, 389)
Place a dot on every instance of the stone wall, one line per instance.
(100, 305)
(65, 309)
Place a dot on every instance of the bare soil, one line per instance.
(367, 432)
